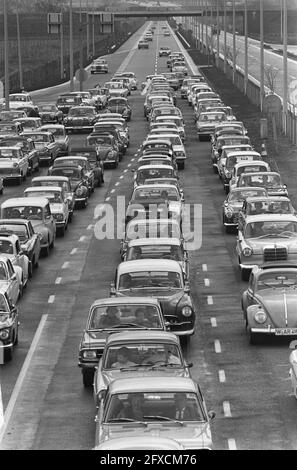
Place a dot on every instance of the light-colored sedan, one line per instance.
(60, 135)
(9, 279)
(10, 247)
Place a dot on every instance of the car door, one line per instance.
(13, 287)
(65, 205)
(35, 239)
(21, 259)
(49, 222)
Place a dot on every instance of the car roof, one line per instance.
(50, 178)
(252, 163)
(261, 173)
(154, 241)
(32, 189)
(271, 217)
(25, 201)
(54, 126)
(268, 199)
(153, 384)
(151, 166)
(244, 152)
(70, 157)
(149, 265)
(125, 301)
(142, 336)
(247, 188)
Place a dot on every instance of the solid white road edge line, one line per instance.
(21, 377)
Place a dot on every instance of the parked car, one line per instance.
(78, 182)
(48, 148)
(50, 113)
(38, 211)
(9, 325)
(108, 316)
(60, 135)
(14, 164)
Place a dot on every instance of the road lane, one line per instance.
(59, 412)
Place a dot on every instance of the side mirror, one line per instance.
(187, 288)
(211, 414)
(112, 289)
(189, 365)
(102, 395)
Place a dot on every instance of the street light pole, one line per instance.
(71, 65)
(6, 60)
(246, 45)
(88, 31)
(93, 31)
(19, 47)
(81, 51)
(234, 42)
(261, 55)
(225, 36)
(62, 46)
(218, 35)
(285, 66)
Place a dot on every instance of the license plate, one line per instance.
(286, 331)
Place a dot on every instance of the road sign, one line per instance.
(272, 104)
(81, 75)
(1, 90)
(54, 23)
(293, 92)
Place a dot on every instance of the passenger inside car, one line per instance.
(123, 359)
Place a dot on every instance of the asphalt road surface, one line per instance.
(45, 403)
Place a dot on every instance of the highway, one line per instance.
(45, 403)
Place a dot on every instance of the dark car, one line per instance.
(50, 113)
(94, 159)
(106, 147)
(80, 118)
(121, 106)
(78, 182)
(143, 45)
(28, 147)
(8, 326)
(48, 149)
(29, 239)
(66, 101)
(112, 129)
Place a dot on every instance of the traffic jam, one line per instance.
(133, 352)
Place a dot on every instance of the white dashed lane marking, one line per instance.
(117, 184)
(65, 265)
(90, 227)
(72, 252)
(209, 300)
(82, 238)
(51, 299)
(112, 191)
(217, 346)
(107, 199)
(213, 322)
(58, 280)
(206, 282)
(227, 409)
(222, 376)
(204, 267)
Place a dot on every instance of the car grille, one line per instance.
(275, 254)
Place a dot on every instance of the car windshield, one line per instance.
(168, 193)
(212, 117)
(154, 407)
(3, 308)
(232, 141)
(150, 279)
(53, 197)
(99, 140)
(136, 315)
(56, 131)
(53, 182)
(71, 173)
(239, 196)
(17, 229)
(18, 98)
(142, 354)
(23, 212)
(3, 272)
(277, 280)
(67, 100)
(176, 121)
(232, 160)
(81, 111)
(251, 169)
(9, 153)
(271, 228)
(70, 161)
(115, 85)
(268, 180)
(47, 108)
(154, 251)
(158, 229)
(142, 175)
(91, 156)
(38, 137)
(6, 247)
(268, 207)
(117, 101)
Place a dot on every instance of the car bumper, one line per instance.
(231, 224)
(248, 266)
(3, 346)
(188, 332)
(268, 330)
(10, 176)
(80, 199)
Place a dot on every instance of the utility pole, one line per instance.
(246, 46)
(62, 45)
(93, 31)
(71, 66)
(19, 47)
(88, 30)
(81, 51)
(225, 36)
(6, 60)
(211, 28)
(234, 42)
(206, 33)
(218, 35)
(285, 66)
(261, 55)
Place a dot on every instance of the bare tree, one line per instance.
(271, 75)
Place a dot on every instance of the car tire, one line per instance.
(88, 377)
(35, 263)
(45, 251)
(30, 270)
(245, 274)
(85, 203)
(252, 337)
(7, 354)
(181, 166)
(62, 231)
(215, 169)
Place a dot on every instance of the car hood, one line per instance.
(289, 243)
(103, 151)
(111, 375)
(98, 338)
(56, 207)
(169, 299)
(191, 436)
(280, 304)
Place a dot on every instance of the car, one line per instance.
(158, 248)
(14, 164)
(9, 326)
(10, 280)
(78, 182)
(222, 108)
(104, 129)
(29, 239)
(108, 316)
(264, 238)
(177, 146)
(58, 204)
(28, 147)
(234, 202)
(177, 120)
(135, 407)
(226, 161)
(10, 247)
(151, 171)
(49, 113)
(8, 128)
(164, 51)
(269, 302)
(143, 44)
(121, 106)
(45, 143)
(96, 163)
(166, 33)
(99, 66)
(66, 101)
(38, 211)
(107, 148)
(60, 136)
(132, 77)
(219, 141)
(30, 124)
(139, 353)
(117, 89)
(80, 119)
(62, 182)
(187, 82)
(80, 161)
(293, 367)
(124, 81)
(12, 114)
(165, 280)
(270, 180)
(21, 100)
(207, 122)
(140, 443)
(256, 204)
(120, 124)
(86, 97)
(247, 167)
(99, 97)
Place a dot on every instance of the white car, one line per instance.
(293, 366)
(10, 279)
(30, 123)
(246, 167)
(14, 163)
(177, 145)
(10, 247)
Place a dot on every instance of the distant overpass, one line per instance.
(149, 13)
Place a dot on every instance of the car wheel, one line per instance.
(7, 354)
(181, 165)
(70, 217)
(215, 169)
(62, 231)
(85, 203)
(185, 341)
(88, 377)
(52, 245)
(45, 250)
(252, 337)
(245, 274)
(30, 270)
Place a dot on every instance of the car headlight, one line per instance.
(260, 316)
(4, 334)
(179, 154)
(187, 311)
(229, 212)
(110, 155)
(247, 251)
(79, 191)
(59, 217)
(227, 174)
(90, 354)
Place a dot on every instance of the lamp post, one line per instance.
(71, 65)
(81, 50)
(285, 65)
(19, 47)
(6, 60)
(261, 55)
(88, 29)
(218, 35)
(234, 42)
(93, 31)
(225, 35)
(246, 60)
